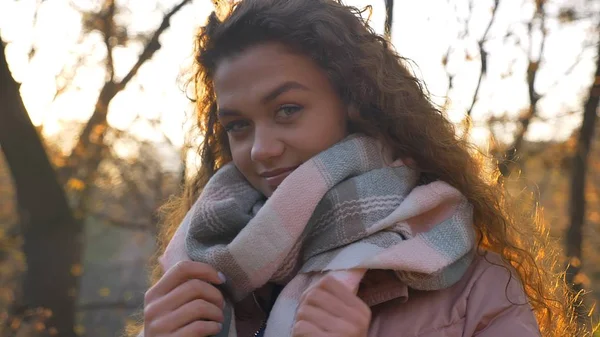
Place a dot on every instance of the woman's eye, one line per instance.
(286, 111)
(235, 126)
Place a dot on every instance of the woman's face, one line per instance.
(279, 110)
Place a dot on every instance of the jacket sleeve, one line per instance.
(497, 306)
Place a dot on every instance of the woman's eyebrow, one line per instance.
(221, 113)
(284, 87)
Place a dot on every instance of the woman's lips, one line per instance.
(274, 181)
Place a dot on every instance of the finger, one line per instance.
(186, 292)
(323, 283)
(197, 310)
(306, 329)
(344, 303)
(199, 329)
(324, 300)
(178, 274)
(331, 285)
(320, 318)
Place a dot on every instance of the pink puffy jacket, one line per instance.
(483, 303)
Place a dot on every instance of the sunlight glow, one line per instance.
(421, 32)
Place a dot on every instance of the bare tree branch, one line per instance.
(510, 155)
(483, 56)
(446, 57)
(108, 19)
(87, 153)
(449, 75)
(142, 186)
(139, 195)
(153, 44)
(68, 77)
(570, 69)
(34, 23)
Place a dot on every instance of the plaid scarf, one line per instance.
(344, 211)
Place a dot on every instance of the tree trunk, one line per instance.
(51, 235)
(389, 18)
(578, 178)
(51, 228)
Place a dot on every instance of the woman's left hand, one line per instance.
(330, 309)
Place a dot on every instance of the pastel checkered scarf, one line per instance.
(345, 211)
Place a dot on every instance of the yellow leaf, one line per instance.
(39, 326)
(76, 270)
(104, 292)
(594, 217)
(15, 324)
(79, 329)
(7, 295)
(97, 132)
(128, 295)
(590, 196)
(575, 262)
(75, 184)
(582, 279)
(60, 161)
(99, 129)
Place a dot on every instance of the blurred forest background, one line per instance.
(94, 114)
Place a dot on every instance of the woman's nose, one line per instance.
(266, 146)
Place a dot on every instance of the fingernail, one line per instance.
(220, 326)
(222, 277)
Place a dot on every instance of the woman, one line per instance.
(389, 224)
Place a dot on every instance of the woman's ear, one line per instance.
(353, 112)
(353, 115)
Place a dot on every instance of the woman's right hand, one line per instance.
(184, 302)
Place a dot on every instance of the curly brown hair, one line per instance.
(390, 103)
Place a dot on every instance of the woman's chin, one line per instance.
(266, 190)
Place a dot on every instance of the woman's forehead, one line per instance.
(261, 69)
